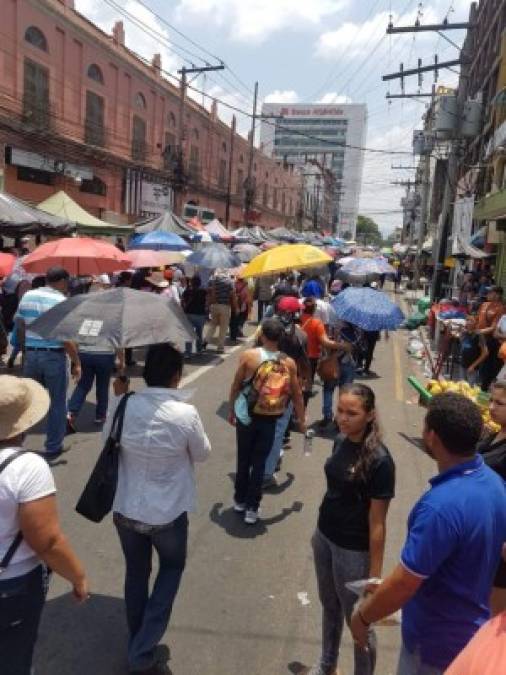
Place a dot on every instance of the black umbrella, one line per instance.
(118, 318)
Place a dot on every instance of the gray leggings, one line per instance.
(336, 566)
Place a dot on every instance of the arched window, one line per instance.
(241, 159)
(140, 101)
(36, 38)
(171, 120)
(196, 134)
(94, 73)
(224, 146)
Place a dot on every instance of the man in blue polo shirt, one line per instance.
(45, 360)
(453, 546)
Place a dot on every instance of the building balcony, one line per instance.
(491, 207)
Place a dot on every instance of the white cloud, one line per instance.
(332, 97)
(352, 40)
(377, 194)
(138, 37)
(257, 20)
(282, 96)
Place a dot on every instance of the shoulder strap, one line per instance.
(119, 416)
(19, 537)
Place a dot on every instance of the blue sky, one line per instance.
(302, 51)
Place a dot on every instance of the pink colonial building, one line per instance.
(79, 111)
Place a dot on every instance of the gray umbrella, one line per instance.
(214, 256)
(246, 252)
(118, 318)
(18, 218)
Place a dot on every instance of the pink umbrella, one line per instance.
(80, 256)
(147, 258)
(7, 262)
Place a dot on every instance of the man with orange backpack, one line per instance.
(264, 384)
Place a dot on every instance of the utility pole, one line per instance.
(181, 132)
(463, 61)
(451, 181)
(230, 162)
(249, 192)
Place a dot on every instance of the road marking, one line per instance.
(204, 369)
(399, 389)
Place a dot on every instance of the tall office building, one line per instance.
(330, 134)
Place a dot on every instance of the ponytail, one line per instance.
(373, 436)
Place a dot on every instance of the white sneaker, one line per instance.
(251, 517)
(239, 508)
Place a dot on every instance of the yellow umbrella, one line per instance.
(285, 257)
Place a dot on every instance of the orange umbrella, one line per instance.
(7, 262)
(80, 256)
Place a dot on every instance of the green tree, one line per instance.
(368, 232)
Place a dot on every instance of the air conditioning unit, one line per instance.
(471, 119)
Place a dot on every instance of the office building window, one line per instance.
(36, 38)
(94, 129)
(138, 139)
(36, 94)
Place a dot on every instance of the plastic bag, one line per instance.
(358, 587)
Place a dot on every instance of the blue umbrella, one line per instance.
(214, 256)
(159, 240)
(368, 309)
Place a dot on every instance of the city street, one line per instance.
(248, 602)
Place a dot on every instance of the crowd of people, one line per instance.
(450, 577)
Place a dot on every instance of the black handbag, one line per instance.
(97, 497)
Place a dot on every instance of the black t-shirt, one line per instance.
(344, 513)
(494, 454)
(194, 301)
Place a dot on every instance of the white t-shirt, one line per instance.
(322, 311)
(501, 326)
(25, 479)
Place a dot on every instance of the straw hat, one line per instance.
(157, 279)
(23, 403)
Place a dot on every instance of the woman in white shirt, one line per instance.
(162, 439)
(30, 534)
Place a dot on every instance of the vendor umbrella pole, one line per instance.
(434, 369)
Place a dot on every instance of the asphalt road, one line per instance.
(248, 603)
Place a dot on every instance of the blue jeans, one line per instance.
(49, 368)
(198, 321)
(346, 377)
(410, 664)
(275, 453)
(97, 367)
(21, 602)
(148, 615)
